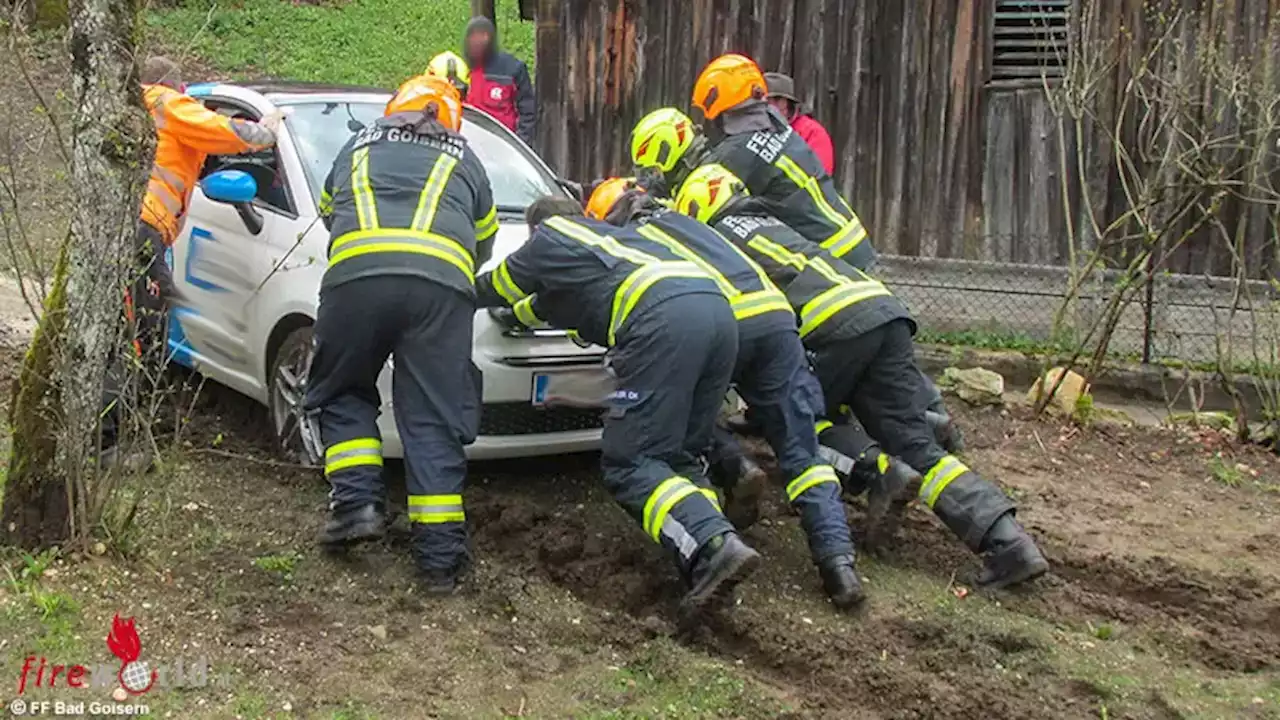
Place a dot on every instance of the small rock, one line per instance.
(806, 621)
(99, 548)
(287, 707)
(119, 695)
(1144, 484)
(191, 507)
(520, 649)
(1068, 394)
(976, 386)
(1258, 701)
(379, 631)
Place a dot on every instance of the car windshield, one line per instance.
(320, 129)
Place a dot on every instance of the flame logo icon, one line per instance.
(135, 676)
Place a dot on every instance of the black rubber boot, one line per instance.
(352, 527)
(443, 581)
(1009, 555)
(946, 432)
(840, 580)
(890, 489)
(742, 498)
(720, 565)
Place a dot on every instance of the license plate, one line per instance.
(572, 388)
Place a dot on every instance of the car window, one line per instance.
(320, 129)
(263, 165)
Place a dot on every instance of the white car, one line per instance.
(250, 273)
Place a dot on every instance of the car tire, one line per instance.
(297, 438)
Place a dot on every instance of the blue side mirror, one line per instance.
(230, 186)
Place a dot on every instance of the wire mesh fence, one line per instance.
(1173, 319)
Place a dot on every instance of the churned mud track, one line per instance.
(890, 660)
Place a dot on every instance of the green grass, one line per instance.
(284, 564)
(1225, 472)
(664, 680)
(367, 42)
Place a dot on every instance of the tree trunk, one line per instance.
(58, 401)
(485, 8)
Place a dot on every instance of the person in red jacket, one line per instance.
(782, 95)
(499, 82)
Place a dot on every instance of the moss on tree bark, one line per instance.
(57, 403)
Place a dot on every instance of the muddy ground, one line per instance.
(1164, 601)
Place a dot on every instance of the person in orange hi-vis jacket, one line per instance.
(186, 134)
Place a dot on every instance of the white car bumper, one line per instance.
(510, 425)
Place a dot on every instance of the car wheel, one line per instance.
(297, 438)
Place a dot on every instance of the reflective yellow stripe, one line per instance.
(487, 225)
(815, 475)
(505, 286)
(779, 254)
(586, 236)
(939, 477)
(760, 302)
(745, 304)
(712, 496)
(352, 453)
(164, 194)
(675, 246)
(820, 309)
(326, 202)
(822, 426)
(661, 500)
(525, 314)
(629, 292)
(432, 191)
(882, 463)
(824, 269)
(846, 238)
(810, 185)
(436, 509)
(366, 208)
(363, 242)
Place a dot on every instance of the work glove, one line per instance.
(272, 121)
(506, 317)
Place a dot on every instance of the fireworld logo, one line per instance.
(134, 676)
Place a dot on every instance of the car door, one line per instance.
(220, 264)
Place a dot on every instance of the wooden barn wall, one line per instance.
(939, 161)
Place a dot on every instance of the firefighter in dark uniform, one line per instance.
(672, 341)
(860, 337)
(769, 374)
(411, 215)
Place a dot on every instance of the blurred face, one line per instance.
(782, 104)
(477, 44)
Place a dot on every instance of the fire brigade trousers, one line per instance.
(771, 375)
(435, 394)
(875, 375)
(673, 362)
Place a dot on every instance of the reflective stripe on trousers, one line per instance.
(436, 509)
(814, 476)
(353, 453)
(662, 500)
(939, 477)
